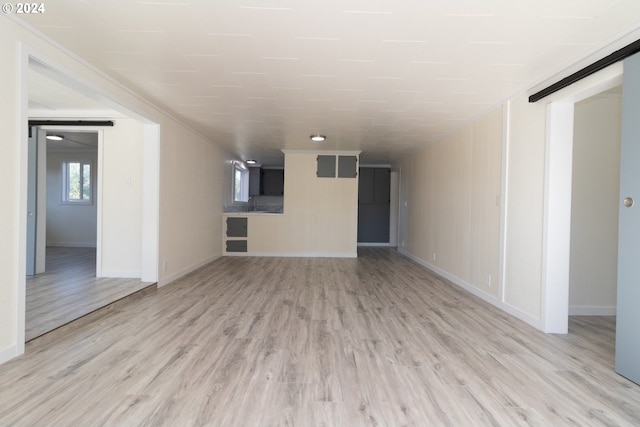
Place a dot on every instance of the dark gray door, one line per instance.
(628, 312)
(373, 205)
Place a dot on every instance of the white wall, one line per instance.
(191, 179)
(12, 174)
(121, 199)
(67, 224)
(450, 201)
(524, 199)
(594, 205)
(524, 132)
(192, 186)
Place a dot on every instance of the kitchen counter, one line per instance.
(257, 205)
(252, 213)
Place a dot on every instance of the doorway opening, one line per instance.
(118, 252)
(378, 195)
(594, 204)
(593, 268)
(558, 188)
(63, 280)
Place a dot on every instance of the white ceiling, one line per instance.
(49, 98)
(73, 141)
(382, 76)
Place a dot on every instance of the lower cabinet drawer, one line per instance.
(236, 246)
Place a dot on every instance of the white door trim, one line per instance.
(557, 202)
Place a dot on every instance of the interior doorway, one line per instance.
(374, 201)
(124, 255)
(594, 204)
(557, 190)
(66, 284)
(378, 195)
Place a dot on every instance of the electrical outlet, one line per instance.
(434, 257)
(489, 280)
(403, 243)
(164, 265)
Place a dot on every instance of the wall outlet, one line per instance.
(402, 243)
(434, 257)
(164, 265)
(488, 280)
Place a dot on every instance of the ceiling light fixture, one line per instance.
(318, 138)
(55, 137)
(251, 162)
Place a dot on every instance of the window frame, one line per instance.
(242, 171)
(65, 200)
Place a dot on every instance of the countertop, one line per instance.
(251, 213)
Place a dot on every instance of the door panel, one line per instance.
(32, 171)
(628, 312)
(373, 205)
(382, 185)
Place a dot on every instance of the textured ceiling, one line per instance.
(382, 76)
(73, 141)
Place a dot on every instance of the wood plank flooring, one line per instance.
(69, 289)
(373, 341)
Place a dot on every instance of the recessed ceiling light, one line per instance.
(318, 138)
(55, 137)
(251, 162)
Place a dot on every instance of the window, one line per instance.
(76, 182)
(240, 182)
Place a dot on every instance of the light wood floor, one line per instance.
(69, 289)
(373, 341)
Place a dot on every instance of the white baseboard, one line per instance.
(582, 310)
(71, 244)
(163, 281)
(507, 308)
(294, 254)
(121, 274)
(8, 354)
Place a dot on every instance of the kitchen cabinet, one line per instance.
(236, 246)
(347, 166)
(254, 181)
(272, 182)
(326, 166)
(236, 227)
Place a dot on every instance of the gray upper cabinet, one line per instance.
(254, 181)
(326, 167)
(272, 182)
(347, 166)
